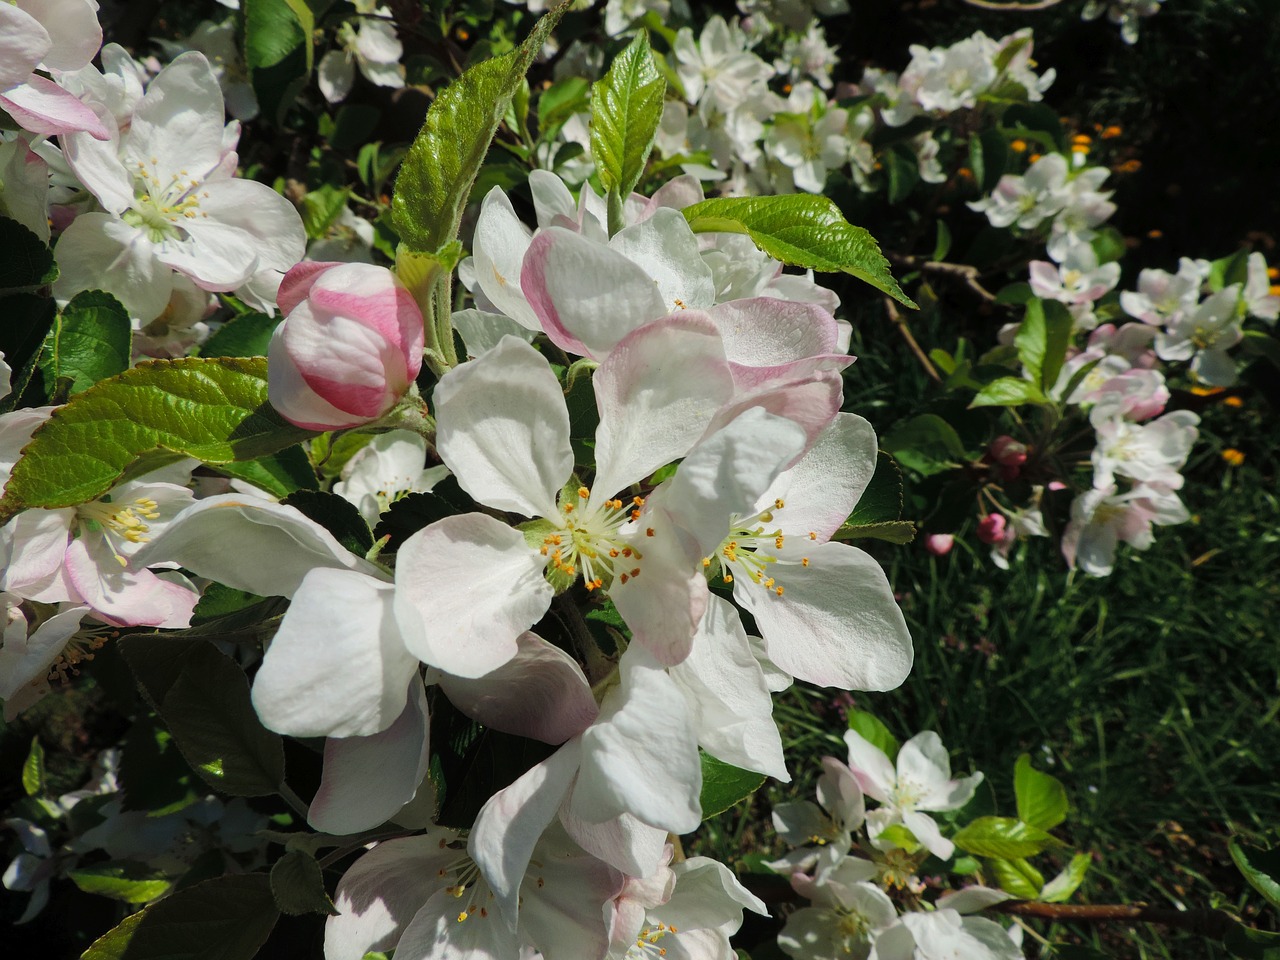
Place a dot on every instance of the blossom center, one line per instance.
(752, 545)
(466, 884)
(648, 945)
(160, 207)
(588, 539)
(126, 521)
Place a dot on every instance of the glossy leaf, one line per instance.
(245, 336)
(1042, 800)
(215, 410)
(90, 341)
(869, 727)
(724, 785)
(1016, 877)
(435, 180)
(125, 880)
(802, 230)
(626, 106)
(1061, 887)
(297, 883)
(33, 779)
(1260, 867)
(1003, 838)
(1008, 392)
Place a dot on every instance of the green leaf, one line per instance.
(626, 106)
(1260, 867)
(1017, 877)
(1262, 344)
(27, 264)
(1042, 800)
(227, 918)
(33, 779)
(321, 207)
(153, 776)
(1252, 944)
(802, 230)
(28, 318)
(297, 883)
(90, 341)
(926, 444)
(1061, 887)
(246, 336)
(1043, 339)
(435, 179)
(337, 515)
(215, 410)
(219, 600)
(203, 697)
(280, 474)
(890, 531)
(724, 785)
(870, 728)
(124, 880)
(881, 502)
(278, 51)
(1003, 838)
(903, 170)
(1008, 392)
(559, 102)
(897, 835)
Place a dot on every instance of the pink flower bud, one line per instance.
(348, 349)
(1007, 451)
(939, 544)
(991, 528)
(1056, 485)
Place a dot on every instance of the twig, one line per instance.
(961, 271)
(1013, 5)
(1207, 923)
(901, 324)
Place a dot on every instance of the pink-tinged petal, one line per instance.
(100, 252)
(26, 177)
(293, 398)
(499, 245)
(836, 625)
(624, 842)
(840, 795)
(24, 41)
(437, 933)
(41, 106)
(683, 191)
(656, 393)
(73, 28)
(38, 540)
(823, 488)
(268, 223)
(250, 544)
(562, 902)
(662, 606)
(297, 283)
(539, 693)
(586, 296)
(382, 891)
(96, 163)
(924, 761)
(345, 361)
(552, 201)
(926, 831)
(503, 429)
(132, 598)
(641, 756)
(217, 257)
(338, 666)
(874, 771)
(727, 473)
(395, 759)
(466, 588)
(666, 249)
(508, 826)
(25, 661)
(756, 378)
(178, 124)
(812, 402)
(731, 709)
(764, 332)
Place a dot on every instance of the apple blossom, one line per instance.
(848, 915)
(390, 466)
(373, 47)
(349, 348)
(921, 782)
(1103, 518)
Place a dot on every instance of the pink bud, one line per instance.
(1007, 451)
(1056, 485)
(991, 528)
(939, 544)
(348, 349)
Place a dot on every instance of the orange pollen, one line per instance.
(635, 514)
(648, 531)
(568, 508)
(614, 552)
(635, 572)
(813, 535)
(583, 493)
(623, 578)
(804, 561)
(638, 501)
(706, 561)
(728, 578)
(778, 590)
(777, 541)
(626, 551)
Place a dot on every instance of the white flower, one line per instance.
(1101, 519)
(1151, 453)
(1204, 336)
(172, 204)
(392, 465)
(848, 915)
(718, 66)
(373, 47)
(922, 781)
(943, 935)
(1028, 200)
(1161, 296)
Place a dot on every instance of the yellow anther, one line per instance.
(728, 578)
(706, 562)
(777, 541)
(804, 561)
(648, 531)
(779, 504)
(583, 493)
(778, 590)
(568, 508)
(813, 535)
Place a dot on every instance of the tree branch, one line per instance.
(967, 274)
(1213, 924)
(901, 324)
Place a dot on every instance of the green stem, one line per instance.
(293, 800)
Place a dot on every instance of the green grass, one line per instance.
(1152, 694)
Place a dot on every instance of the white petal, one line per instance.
(250, 544)
(466, 588)
(666, 249)
(395, 759)
(99, 252)
(338, 666)
(836, 625)
(178, 124)
(874, 771)
(499, 246)
(656, 393)
(503, 429)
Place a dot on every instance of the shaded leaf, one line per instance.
(297, 883)
(90, 341)
(724, 785)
